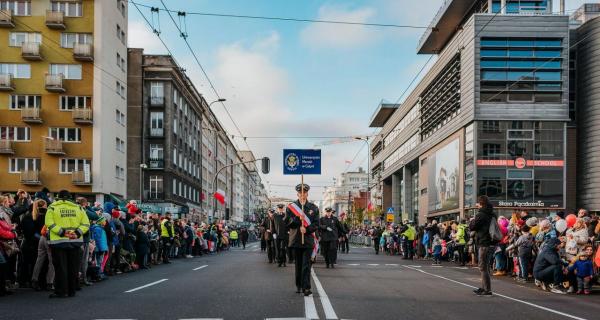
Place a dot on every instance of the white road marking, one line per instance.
(373, 264)
(255, 249)
(461, 268)
(501, 295)
(354, 264)
(392, 264)
(285, 319)
(414, 266)
(310, 310)
(200, 267)
(146, 285)
(202, 319)
(327, 307)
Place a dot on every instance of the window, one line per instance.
(122, 8)
(119, 173)
(156, 123)
(18, 70)
(65, 134)
(120, 145)
(67, 165)
(118, 60)
(157, 92)
(70, 9)
(156, 151)
(174, 157)
(175, 125)
(18, 8)
(174, 186)
(17, 102)
(16, 39)
(19, 134)
(68, 40)
(69, 71)
(123, 65)
(16, 165)
(120, 89)
(519, 174)
(68, 103)
(120, 117)
(120, 34)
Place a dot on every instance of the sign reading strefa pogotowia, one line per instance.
(301, 161)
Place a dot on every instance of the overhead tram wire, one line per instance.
(302, 20)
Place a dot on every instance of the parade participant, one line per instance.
(167, 233)
(281, 235)
(302, 220)
(410, 234)
(329, 227)
(244, 237)
(66, 223)
(269, 227)
(376, 235)
(344, 243)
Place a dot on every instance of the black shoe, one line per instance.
(298, 290)
(55, 295)
(478, 291)
(327, 266)
(307, 292)
(484, 293)
(279, 265)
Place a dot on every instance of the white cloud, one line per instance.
(140, 36)
(320, 35)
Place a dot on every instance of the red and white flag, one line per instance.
(297, 211)
(348, 162)
(370, 206)
(220, 196)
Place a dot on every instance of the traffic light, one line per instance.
(226, 213)
(266, 165)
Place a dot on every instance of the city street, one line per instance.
(241, 285)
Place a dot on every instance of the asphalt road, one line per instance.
(240, 285)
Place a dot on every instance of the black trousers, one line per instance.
(408, 249)
(66, 267)
(344, 245)
(302, 256)
(271, 250)
(551, 274)
(281, 246)
(291, 255)
(376, 245)
(329, 251)
(166, 249)
(460, 248)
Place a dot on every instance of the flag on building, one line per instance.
(220, 196)
(348, 162)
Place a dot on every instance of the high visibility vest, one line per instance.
(234, 235)
(164, 232)
(63, 216)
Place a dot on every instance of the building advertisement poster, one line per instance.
(444, 177)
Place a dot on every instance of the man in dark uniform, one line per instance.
(280, 235)
(344, 241)
(329, 227)
(301, 238)
(269, 227)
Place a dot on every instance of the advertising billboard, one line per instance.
(443, 177)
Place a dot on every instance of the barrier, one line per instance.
(360, 240)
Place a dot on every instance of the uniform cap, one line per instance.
(299, 187)
(64, 195)
(328, 209)
(280, 206)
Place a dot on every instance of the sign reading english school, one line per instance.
(301, 161)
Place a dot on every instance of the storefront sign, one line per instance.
(520, 163)
(525, 204)
(496, 163)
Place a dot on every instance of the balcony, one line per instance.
(156, 163)
(31, 51)
(54, 83)
(6, 20)
(83, 116)
(55, 20)
(6, 147)
(157, 132)
(83, 52)
(157, 101)
(79, 178)
(31, 115)
(6, 83)
(54, 147)
(30, 177)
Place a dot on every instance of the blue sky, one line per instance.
(289, 78)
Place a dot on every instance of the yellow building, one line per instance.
(63, 80)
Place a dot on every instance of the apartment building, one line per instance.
(63, 90)
(489, 118)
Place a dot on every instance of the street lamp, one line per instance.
(366, 140)
(143, 166)
(218, 100)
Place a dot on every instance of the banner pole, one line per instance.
(302, 204)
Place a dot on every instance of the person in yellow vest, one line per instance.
(67, 223)
(409, 234)
(167, 232)
(234, 238)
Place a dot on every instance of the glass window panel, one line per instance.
(548, 53)
(548, 42)
(521, 86)
(548, 150)
(548, 97)
(548, 173)
(492, 42)
(520, 53)
(548, 64)
(521, 64)
(548, 75)
(493, 64)
(519, 174)
(548, 86)
(493, 86)
(520, 189)
(520, 134)
(520, 42)
(493, 97)
(520, 75)
(518, 149)
(548, 190)
(493, 75)
(520, 96)
(493, 53)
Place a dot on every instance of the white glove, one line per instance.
(329, 229)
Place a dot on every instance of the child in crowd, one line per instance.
(99, 236)
(437, 250)
(584, 270)
(524, 246)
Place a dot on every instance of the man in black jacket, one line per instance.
(329, 227)
(548, 266)
(269, 227)
(301, 237)
(481, 225)
(281, 235)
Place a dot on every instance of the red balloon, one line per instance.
(571, 219)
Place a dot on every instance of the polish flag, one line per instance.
(297, 211)
(220, 196)
(370, 206)
(348, 162)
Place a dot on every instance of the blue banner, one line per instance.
(301, 161)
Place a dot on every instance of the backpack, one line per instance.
(494, 230)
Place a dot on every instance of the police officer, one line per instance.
(301, 238)
(329, 227)
(269, 227)
(281, 235)
(167, 232)
(67, 223)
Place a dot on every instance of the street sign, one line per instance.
(301, 161)
(390, 217)
(390, 210)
